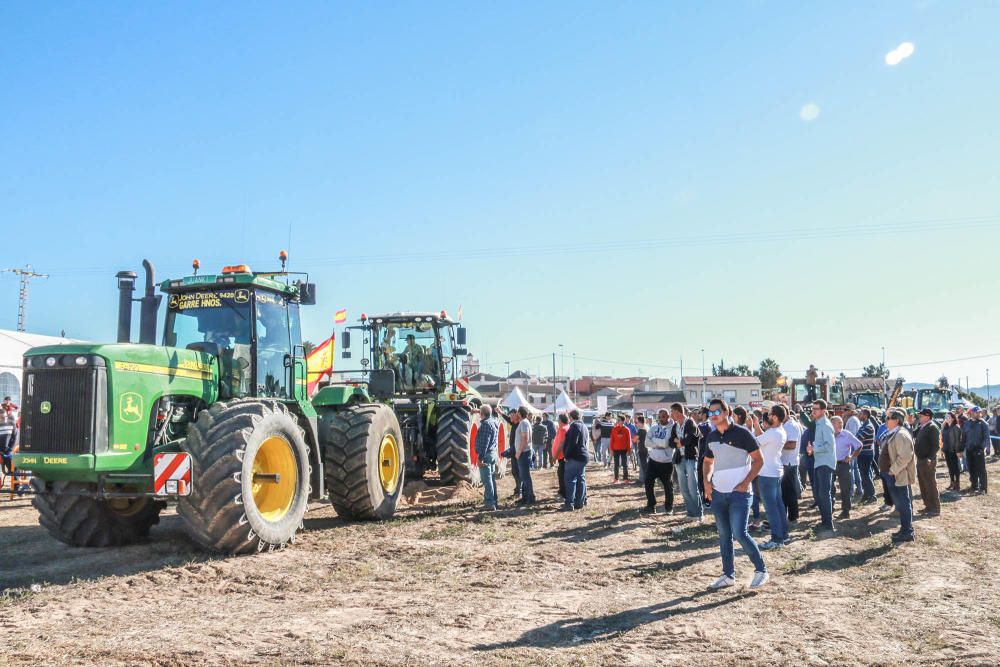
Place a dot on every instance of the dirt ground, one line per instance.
(446, 584)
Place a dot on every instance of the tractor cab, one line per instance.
(248, 322)
(420, 350)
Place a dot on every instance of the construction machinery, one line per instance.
(216, 419)
(410, 363)
(937, 399)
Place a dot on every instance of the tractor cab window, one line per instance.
(936, 401)
(411, 350)
(217, 322)
(274, 346)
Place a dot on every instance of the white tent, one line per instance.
(564, 403)
(13, 345)
(515, 399)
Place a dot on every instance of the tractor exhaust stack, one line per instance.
(149, 304)
(126, 285)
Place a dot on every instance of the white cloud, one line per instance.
(899, 54)
(809, 112)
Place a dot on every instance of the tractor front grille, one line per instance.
(64, 411)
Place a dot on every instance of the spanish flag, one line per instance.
(319, 363)
(340, 316)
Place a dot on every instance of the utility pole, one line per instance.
(508, 369)
(989, 394)
(574, 377)
(704, 379)
(885, 386)
(24, 276)
(562, 361)
(554, 390)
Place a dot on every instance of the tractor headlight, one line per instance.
(80, 361)
(50, 361)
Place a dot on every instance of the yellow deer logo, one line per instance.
(130, 407)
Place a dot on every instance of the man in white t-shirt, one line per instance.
(791, 487)
(772, 443)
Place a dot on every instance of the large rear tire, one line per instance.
(363, 456)
(250, 477)
(455, 428)
(87, 522)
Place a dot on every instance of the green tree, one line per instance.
(873, 371)
(722, 371)
(769, 372)
(308, 346)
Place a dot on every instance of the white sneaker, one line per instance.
(759, 579)
(770, 544)
(725, 581)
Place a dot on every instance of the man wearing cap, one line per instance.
(977, 435)
(928, 441)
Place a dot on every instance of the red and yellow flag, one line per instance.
(319, 363)
(340, 316)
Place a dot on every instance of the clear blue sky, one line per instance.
(633, 180)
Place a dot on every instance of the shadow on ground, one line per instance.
(577, 631)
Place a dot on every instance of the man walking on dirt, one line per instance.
(732, 460)
(522, 456)
(824, 451)
(487, 438)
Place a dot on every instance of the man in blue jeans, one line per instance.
(486, 453)
(522, 455)
(576, 456)
(732, 461)
(866, 458)
(902, 464)
(824, 452)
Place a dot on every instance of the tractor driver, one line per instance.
(412, 361)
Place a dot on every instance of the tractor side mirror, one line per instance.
(307, 294)
(345, 343)
(382, 384)
(460, 337)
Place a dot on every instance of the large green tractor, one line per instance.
(410, 364)
(216, 418)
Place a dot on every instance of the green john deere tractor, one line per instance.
(216, 418)
(410, 365)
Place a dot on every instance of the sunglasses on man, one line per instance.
(715, 413)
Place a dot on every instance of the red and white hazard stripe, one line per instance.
(172, 474)
(462, 384)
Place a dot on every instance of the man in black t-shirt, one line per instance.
(732, 461)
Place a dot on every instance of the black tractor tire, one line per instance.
(453, 444)
(87, 522)
(352, 438)
(221, 514)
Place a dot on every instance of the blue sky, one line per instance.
(632, 180)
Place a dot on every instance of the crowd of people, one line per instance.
(734, 462)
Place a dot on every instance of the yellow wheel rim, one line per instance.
(388, 463)
(275, 478)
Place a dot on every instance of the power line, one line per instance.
(718, 238)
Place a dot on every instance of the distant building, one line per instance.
(478, 379)
(740, 390)
(590, 384)
(470, 365)
(653, 401)
(520, 378)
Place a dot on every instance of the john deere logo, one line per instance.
(242, 296)
(45, 407)
(130, 407)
